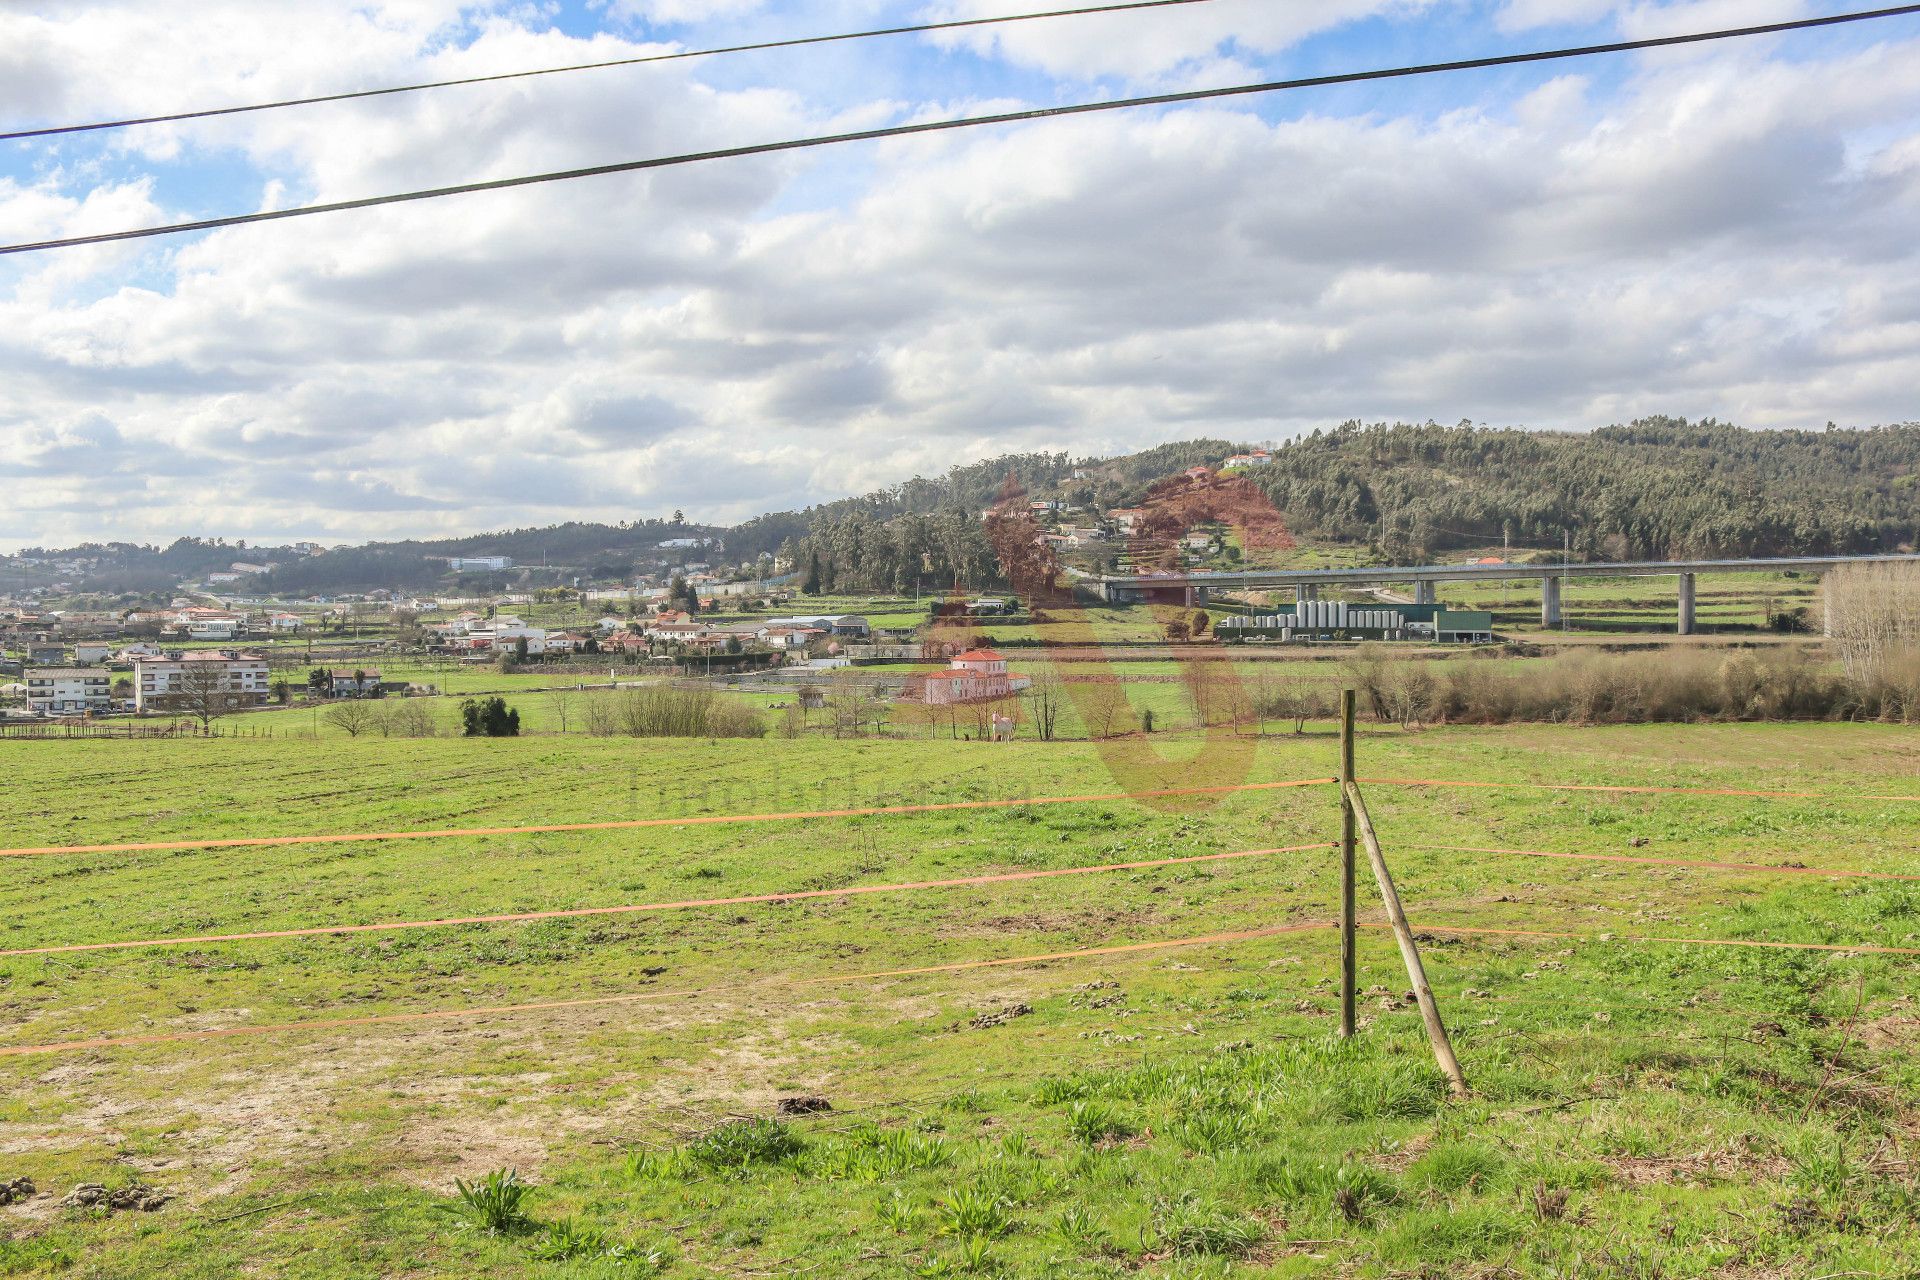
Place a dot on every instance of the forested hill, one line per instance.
(973, 487)
(1658, 488)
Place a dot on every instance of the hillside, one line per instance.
(1655, 488)
(1660, 487)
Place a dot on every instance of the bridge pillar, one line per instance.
(1305, 591)
(1686, 604)
(1425, 591)
(1826, 607)
(1550, 602)
(1195, 595)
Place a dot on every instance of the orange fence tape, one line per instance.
(578, 912)
(330, 1024)
(1631, 790)
(1695, 864)
(1861, 947)
(259, 842)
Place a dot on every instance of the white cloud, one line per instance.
(1145, 45)
(1729, 237)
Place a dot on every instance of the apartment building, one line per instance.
(67, 691)
(178, 684)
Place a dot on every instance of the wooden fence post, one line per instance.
(1416, 972)
(1348, 982)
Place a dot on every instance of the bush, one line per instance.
(662, 711)
(1674, 686)
(489, 718)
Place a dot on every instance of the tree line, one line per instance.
(1657, 488)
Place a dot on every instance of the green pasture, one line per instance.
(1641, 1109)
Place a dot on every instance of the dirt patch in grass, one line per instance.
(1895, 1031)
(1701, 1167)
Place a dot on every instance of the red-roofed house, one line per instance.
(975, 674)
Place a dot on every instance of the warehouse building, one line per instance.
(1338, 620)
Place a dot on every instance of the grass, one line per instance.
(1639, 1110)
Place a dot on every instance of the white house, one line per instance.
(975, 674)
(238, 679)
(59, 691)
(88, 652)
(509, 637)
(783, 639)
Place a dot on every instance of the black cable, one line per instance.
(797, 41)
(937, 126)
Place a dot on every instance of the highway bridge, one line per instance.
(1196, 587)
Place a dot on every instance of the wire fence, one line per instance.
(1348, 925)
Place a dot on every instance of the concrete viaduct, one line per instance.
(1426, 579)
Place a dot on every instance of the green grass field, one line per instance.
(1641, 1109)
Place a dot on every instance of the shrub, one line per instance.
(489, 718)
(662, 711)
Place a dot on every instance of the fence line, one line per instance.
(632, 824)
(1636, 790)
(1690, 863)
(329, 1024)
(579, 912)
(788, 980)
(1862, 948)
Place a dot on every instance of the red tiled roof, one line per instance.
(978, 655)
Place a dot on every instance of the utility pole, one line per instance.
(1347, 913)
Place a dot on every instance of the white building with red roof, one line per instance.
(971, 676)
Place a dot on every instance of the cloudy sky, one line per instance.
(1726, 230)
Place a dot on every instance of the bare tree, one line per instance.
(1044, 695)
(409, 718)
(562, 703)
(1873, 623)
(204, 691)
(354, 715)
(1103, 705)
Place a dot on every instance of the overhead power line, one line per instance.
(969, 122)
(795, 42)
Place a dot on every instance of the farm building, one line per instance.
(1338, 620)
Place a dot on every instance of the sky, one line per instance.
(1722, 230)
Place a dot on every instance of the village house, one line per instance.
(785, 639)
(353, 684)
(64, 691)
(88, 652)
(234, 679)
(1251, 458)
(971, 676)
